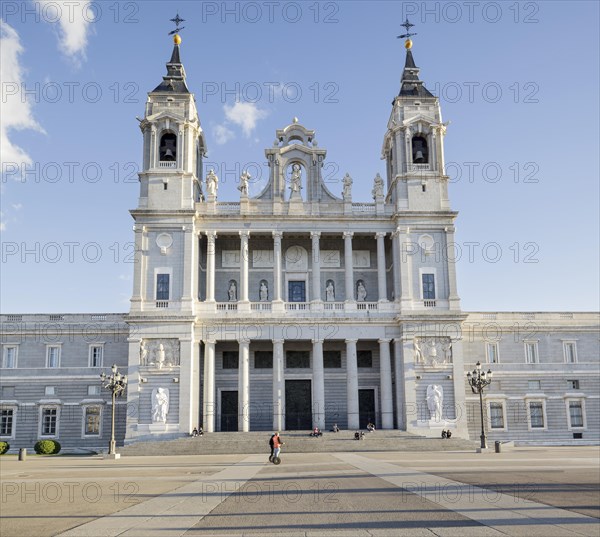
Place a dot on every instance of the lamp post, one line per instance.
(478, 380)
(116, 383)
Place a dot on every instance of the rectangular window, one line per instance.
(496, 416)
(332, 359)
(6, 422)
(49, 421)
(92, 421)
(96, 352)
(53, 356)
(231, 360)
(576, 413)
(297, 359)
(428, 286)
(93, 390)
(9, 359)
(573, 384)
(162, 287)
(263, 360)
(536, 414)
(534, 385)
(364, 359)
(531, 353)
(492, 353)
(570, 352)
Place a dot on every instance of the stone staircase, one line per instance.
(295, 442)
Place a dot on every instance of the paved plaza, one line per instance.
(523, 492)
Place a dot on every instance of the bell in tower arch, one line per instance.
(420, 153)
(168, 147)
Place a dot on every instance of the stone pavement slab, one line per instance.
(509, 514)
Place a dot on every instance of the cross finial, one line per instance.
(408, 26)
(177, 20)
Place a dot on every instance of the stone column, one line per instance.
(399, 379)
(397, 268)
(381, 279)
(210, 265)
(453, 299)
(349, 266)
(278, 385)
(188, 389)
(352, 385)
(208, 402)
(405, 251)
(138, 269)
(244, 387)
(277, 265)
(385, 379)
(316, 266)
(189, 256)
(244, 263)
(318, 385)
(410, 385)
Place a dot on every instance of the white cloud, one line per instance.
(223, 134)
(15, 110)
(246, 115)
(17, 206)
(73, 19)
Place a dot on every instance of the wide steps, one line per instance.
(295, 442)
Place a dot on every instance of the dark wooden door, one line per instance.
(229, 411)
(366, 408)
(298, 405)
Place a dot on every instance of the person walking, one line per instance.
(277, 443)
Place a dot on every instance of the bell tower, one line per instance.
(413, 146)
(174, 145)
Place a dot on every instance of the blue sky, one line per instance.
(518, 81)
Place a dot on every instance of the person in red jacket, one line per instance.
(277, 443)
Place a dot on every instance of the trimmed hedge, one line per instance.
(4, 447)
(47, 447)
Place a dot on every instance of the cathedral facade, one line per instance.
(298, 307)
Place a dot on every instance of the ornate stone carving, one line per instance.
(296, 180)
(232, 291)
(263, 291)
(433, 352)
(347, 191)
(159, 353)
(361, 291)
(378, 185)
(435, 401)
(329, 291)
(212, 183)
(243, 186)
(160, 405)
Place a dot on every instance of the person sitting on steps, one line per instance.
(316, 432)
(335, 428)
(371, 427)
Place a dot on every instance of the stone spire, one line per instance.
(174, 81)
(410, 85)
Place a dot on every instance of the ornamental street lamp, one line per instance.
(116, 383)
(478, 380)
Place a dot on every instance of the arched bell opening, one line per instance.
(420, 150)
(168, 147)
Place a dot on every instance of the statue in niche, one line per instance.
(435, 399)
(160, 356)
(160, 405)
(263, 292)
(330, 291)
(361, 291)
(377, 187)
(347, 191)
(232, 291)
(418, 351)
(212, 183)
(296, 183)
(143, 353)
(243, 186)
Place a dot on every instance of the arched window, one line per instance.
(420, 152)
(168, 147)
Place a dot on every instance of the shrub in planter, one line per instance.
(46, 447)
(4, 447)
